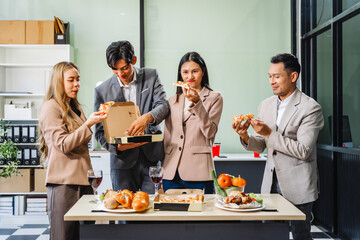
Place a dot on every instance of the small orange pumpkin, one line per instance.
(238, 182)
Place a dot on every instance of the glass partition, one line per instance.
(351, 82)
(324, 83)
(236, 40)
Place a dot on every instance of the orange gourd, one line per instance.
(238, 182)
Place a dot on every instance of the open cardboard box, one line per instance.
(179, 195)
(120, 117)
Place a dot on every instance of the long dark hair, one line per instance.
(195, 57)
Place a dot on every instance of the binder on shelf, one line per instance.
(16, 131)
(9, 134)
(34, 157)
(24, 134)
(63, 38)
(2, 135)
(2, 161)
(19, 157)
(26, 156)
(32, 134)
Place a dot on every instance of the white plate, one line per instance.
(118, 210)
(218, 205)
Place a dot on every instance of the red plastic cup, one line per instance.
(216, 150)
(256, 154)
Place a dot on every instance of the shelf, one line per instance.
(14, 120)
(36, 46)
(26, 65)
(24, 144)
(23, 193)
(31, 95)
(25, 166)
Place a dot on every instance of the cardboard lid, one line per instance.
(120, 117)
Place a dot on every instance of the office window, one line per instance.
(348, 3)
(324, 82)
(323, 11)
(351, 81)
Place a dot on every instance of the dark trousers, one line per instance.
(135, 178)
(60, 199)
(301, 230)
(178, 183)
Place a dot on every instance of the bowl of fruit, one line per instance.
(226, 183)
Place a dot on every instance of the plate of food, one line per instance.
(230, 194)
(119, 209)
(124, 201)
(240, 201)
(226, 207)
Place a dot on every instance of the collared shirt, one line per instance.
(281, 106)
(129, 91)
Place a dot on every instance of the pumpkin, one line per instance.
(224, 180)
(238, 182)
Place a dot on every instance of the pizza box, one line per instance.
(120, 117)
(175, 200)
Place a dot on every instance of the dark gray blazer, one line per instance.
(150, 97)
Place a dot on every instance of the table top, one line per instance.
(81, 211)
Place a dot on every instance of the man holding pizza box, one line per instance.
(130, 163)
(288, 125)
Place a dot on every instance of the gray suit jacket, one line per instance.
(150, 97)
(291, 148)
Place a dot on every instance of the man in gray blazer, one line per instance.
(130, 163)
(288, 125)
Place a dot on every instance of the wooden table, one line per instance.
(211, 223)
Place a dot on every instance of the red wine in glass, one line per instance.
(95, 178)
(94, 181)
(156, 175)
(156, 179)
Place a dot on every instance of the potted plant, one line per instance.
(8, 153)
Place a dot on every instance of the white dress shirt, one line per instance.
(129, 91)
(281, 106)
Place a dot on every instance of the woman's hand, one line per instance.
(191, 94)
(95, 117)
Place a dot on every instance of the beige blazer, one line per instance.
(292, 147)
(188, 143)
(68, 159)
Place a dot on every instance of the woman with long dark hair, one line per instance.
(64, 137)
(190, 129)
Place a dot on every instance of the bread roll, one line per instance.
(125, 198)
(140, 202)
(110, 203)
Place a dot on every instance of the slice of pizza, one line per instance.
(104, 108)
(240, 118)
(182, 84)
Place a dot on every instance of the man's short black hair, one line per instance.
(119, 50)
(291, 63)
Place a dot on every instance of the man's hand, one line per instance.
(138, 127)
(261, 128)
(123, 147)
(241, 129)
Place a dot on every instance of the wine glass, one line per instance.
(156, 175)
(95, 178)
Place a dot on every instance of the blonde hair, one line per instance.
(56, 91)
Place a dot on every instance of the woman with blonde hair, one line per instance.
(64, 136)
